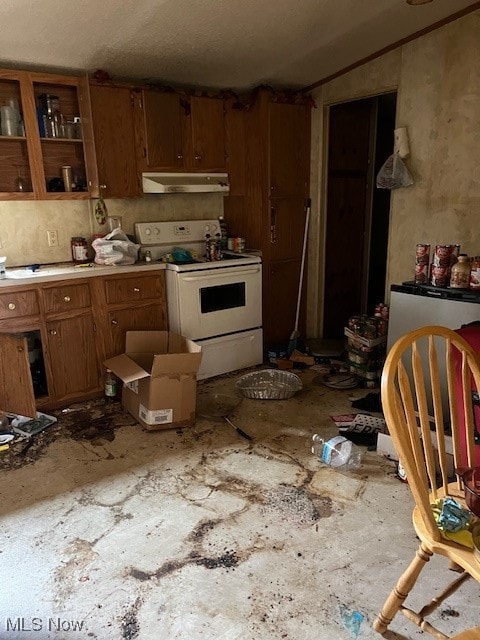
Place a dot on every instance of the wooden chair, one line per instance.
(420, 380)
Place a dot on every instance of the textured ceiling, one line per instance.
(234, 44)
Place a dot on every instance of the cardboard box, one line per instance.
(159, 369)
(367, 342)
(386, 448)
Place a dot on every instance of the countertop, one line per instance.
(20, 276)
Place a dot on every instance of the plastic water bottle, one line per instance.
(338, 452)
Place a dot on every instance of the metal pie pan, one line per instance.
(269, 384)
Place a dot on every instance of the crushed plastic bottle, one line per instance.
(338, 452)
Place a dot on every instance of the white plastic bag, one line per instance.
(115, 248)
(394, 174)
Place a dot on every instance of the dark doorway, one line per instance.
(360, 140)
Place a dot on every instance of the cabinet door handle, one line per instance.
(273, 225)
(136, 290)
(179, 156)
(53, 332)
(20, 349)
(11, 306)
(66, 298)
(114, 322)
(198, 157)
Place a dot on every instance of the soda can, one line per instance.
(421, 273)
(422, 254)
(442, 256)
(439, 276)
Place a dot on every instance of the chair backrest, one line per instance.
(423, 424)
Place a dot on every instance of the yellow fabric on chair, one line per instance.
(462, 536)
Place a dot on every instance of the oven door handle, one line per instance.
(210, 276)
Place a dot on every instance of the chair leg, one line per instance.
(402, 589)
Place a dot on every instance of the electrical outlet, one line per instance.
(52, 238)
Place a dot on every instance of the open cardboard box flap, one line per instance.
(126, 368)
(155, 353)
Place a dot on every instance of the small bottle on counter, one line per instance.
(460, 274)
(218, 246)
(148, 256)
(79, 250)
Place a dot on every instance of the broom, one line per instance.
(293, 342)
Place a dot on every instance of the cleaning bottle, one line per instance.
(338, 452)
(223, 232)
(111, 386)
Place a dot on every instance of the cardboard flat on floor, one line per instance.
(159, 369)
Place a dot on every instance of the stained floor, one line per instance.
(113, 533)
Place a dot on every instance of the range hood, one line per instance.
(185, 182)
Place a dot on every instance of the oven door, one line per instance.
(215, 302)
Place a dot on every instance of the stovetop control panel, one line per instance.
(166, 233)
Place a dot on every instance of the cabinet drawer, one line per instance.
(66, 298)
(19, 304)
(131, 289)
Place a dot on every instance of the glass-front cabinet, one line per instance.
(15, 174)
(42, 153)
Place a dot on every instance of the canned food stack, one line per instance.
(444, 257)
(422, 263)
(366, 342)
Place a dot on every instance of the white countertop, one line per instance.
(20, 276)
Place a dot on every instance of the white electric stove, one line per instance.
(218, 304)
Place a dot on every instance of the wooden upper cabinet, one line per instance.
(159, 130)
(179, 133)
(206, 129)
(111, 150)
(41, 132)
(289, 149)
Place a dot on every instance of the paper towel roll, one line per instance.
(401, 142)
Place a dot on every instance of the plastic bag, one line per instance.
(115, 248)
(394, 174)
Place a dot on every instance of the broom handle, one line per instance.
(302, 265)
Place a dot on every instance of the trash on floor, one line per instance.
(269, 384)
(338, 452)
(370, 402)
(30, 426)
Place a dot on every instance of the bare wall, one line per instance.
(24, 225)
(437, 78)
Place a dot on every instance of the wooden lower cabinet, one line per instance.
(16, 387)
(148, 318)
(69, 328)
(72, 355)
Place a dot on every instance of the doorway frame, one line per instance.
(317, 248)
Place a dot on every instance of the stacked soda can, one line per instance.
(444, 257)
(422, 263)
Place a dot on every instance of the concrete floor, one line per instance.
(111, 532)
